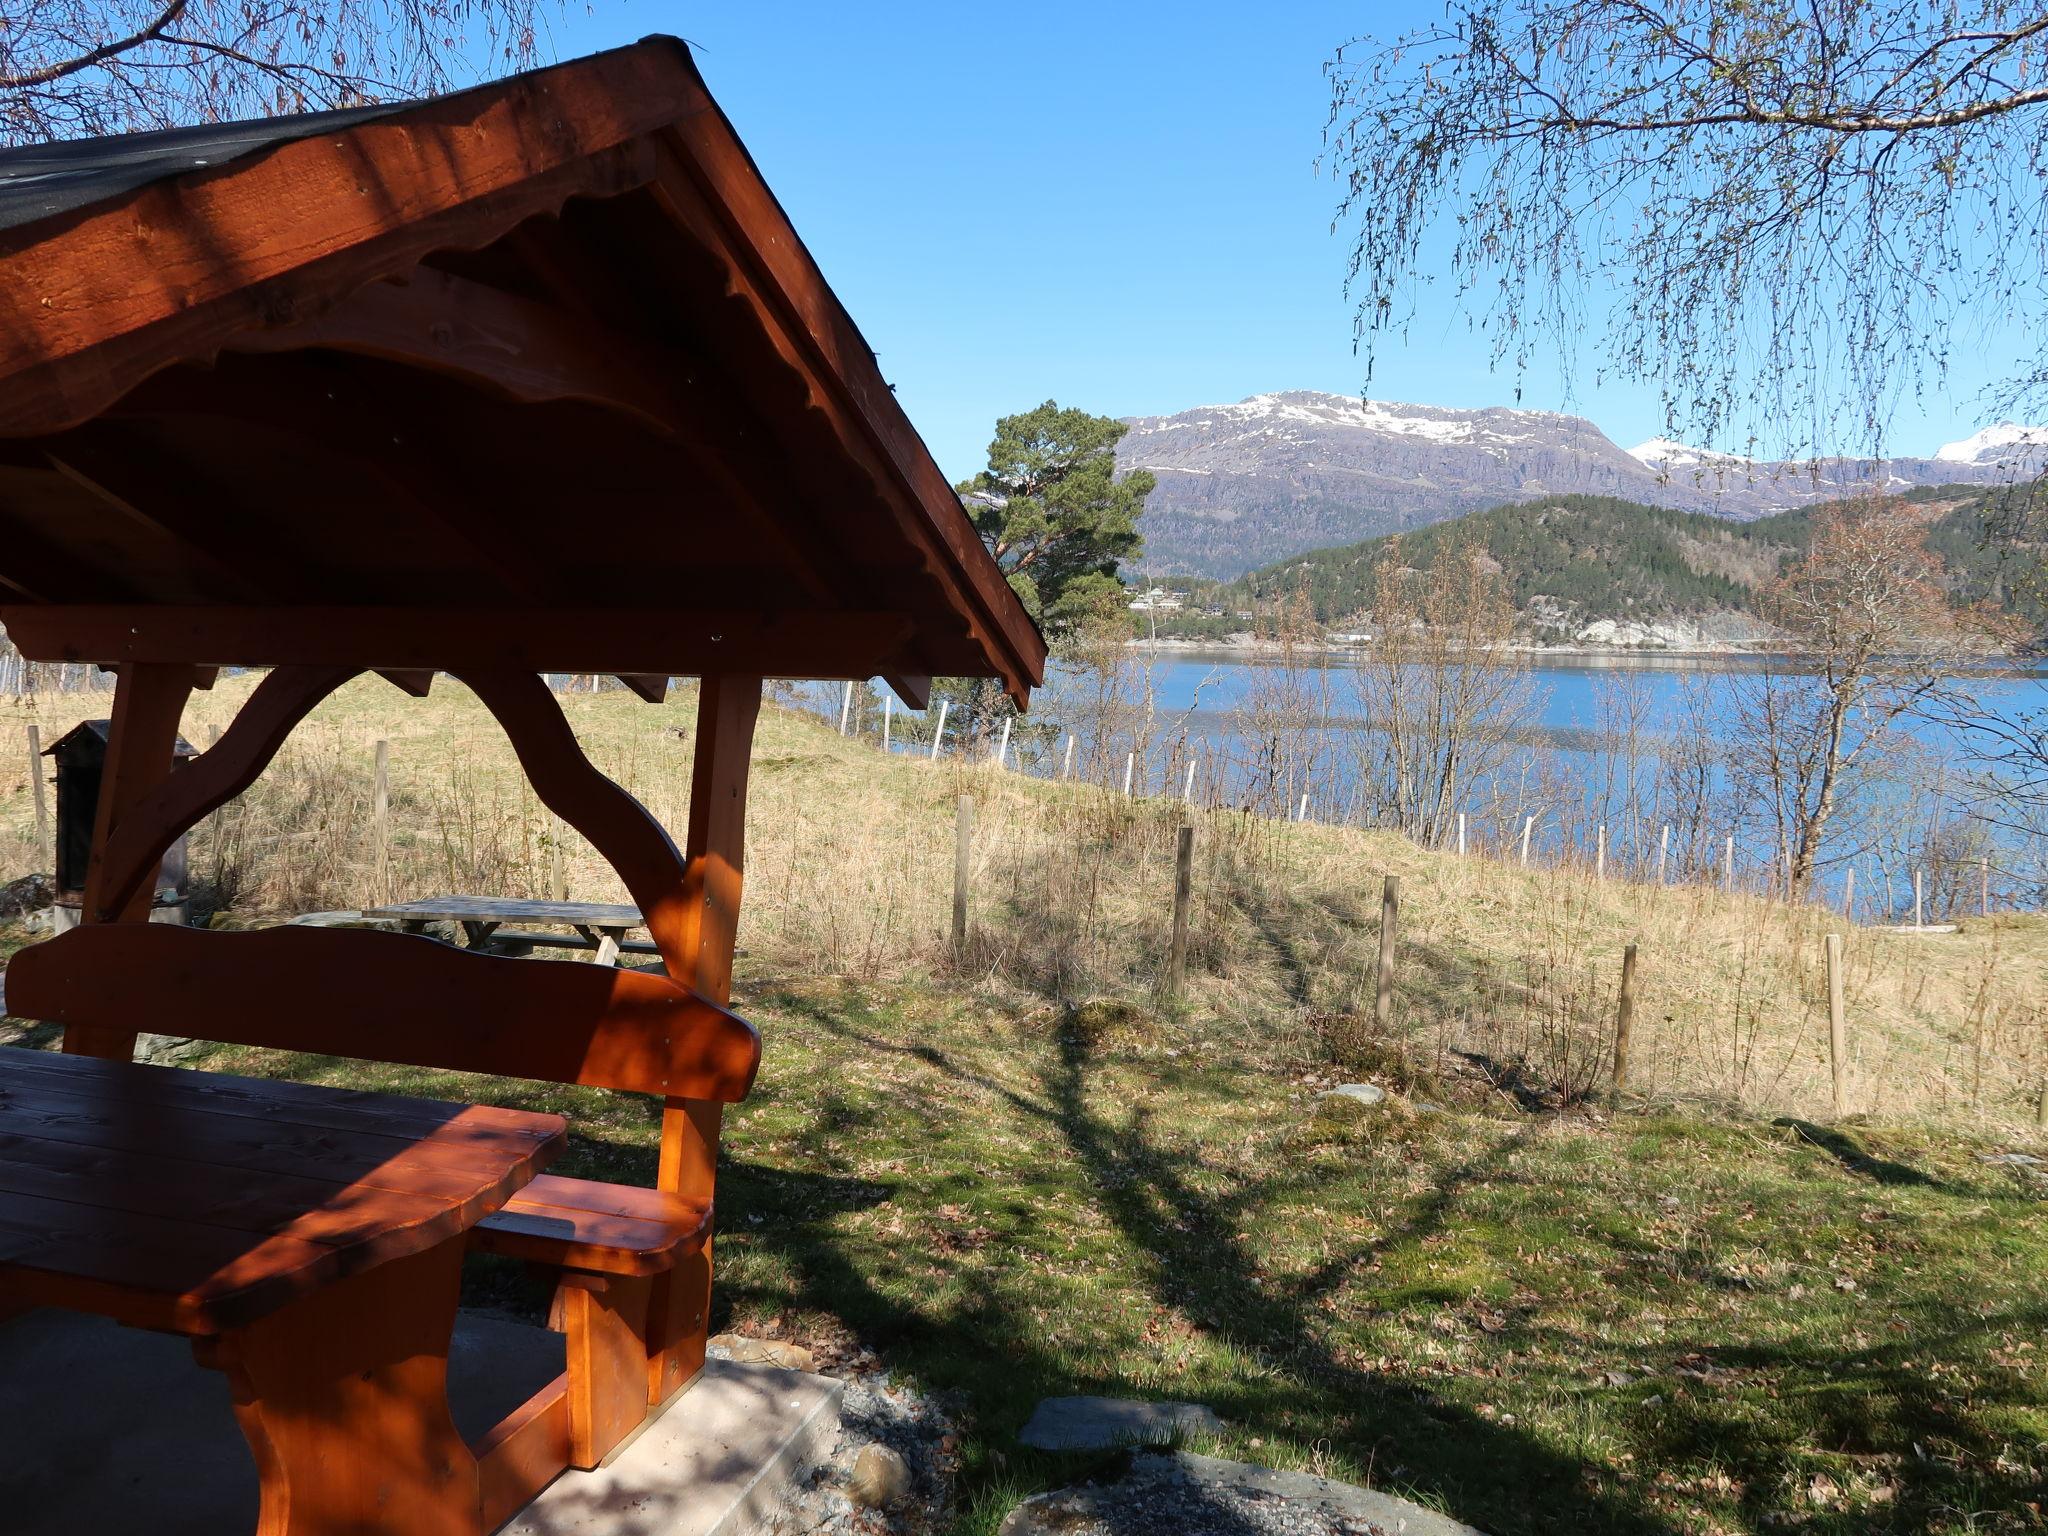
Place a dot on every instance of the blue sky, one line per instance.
(1114, 206)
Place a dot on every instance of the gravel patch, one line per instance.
(876, 1411)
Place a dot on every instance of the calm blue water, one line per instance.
(1197, 696)
(1568, 690)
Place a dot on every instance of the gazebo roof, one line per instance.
(536, 374)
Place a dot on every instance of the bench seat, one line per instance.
(609, 1229)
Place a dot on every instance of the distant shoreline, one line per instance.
(1248, 649)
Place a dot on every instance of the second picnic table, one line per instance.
(597, 925)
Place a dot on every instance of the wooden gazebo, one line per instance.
(532, 378)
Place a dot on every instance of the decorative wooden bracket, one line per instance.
(138, 842)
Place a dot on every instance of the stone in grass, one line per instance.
(1188, 1493)
(1113, 1423)
(879, 1478)
(1357, 1093)
(741, 1350)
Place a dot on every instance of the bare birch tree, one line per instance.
(1441, 688)
(1796, 203)
(1878, 640)
(72, 68)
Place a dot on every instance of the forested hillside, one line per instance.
(1580, 559)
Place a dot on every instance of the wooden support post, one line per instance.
(939, 735)
(558, 869)
(1067, 767)
(1183, 888)
(1663, 850)
(142, 742)
(1838, 1038)
(1528, 826)
(46, 847)
(1624, 1017)
(1383, 990)
(714, 864)
(963, 868)
(380, 819)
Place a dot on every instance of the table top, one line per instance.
(505, 909)
(198, 1201)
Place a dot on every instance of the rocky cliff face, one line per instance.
(1274, 475)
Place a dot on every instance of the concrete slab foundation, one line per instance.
(718, 1462)
(110, 1430)
(113, 1431)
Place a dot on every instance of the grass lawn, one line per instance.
(1607, 1322)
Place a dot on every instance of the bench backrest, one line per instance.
(391, 997)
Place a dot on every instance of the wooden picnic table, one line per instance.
(308, 1240)
(598, 925)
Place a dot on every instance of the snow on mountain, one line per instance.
(2003, 443)
(1663, 453)
(1272, 475)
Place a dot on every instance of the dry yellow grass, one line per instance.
(850, 855)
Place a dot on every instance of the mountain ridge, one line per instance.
(1592, 570)
(1273, 475)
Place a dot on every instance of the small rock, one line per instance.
(1363, 1093)
(745, 1351)
(2013, 1159)
(879, 1477)
(1111, 1423)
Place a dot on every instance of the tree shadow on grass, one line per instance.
(1857, 1158)
(1200, 1265)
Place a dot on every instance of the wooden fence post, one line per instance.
(1383, 991)
(1183, 887)
(1624, 1017)
(939, 735)
(1838, 1037)
(45, 844)
(1528, 826)
(380, 819)
(1663, 848)
(963, 844)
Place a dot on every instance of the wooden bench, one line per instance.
(632, 1263)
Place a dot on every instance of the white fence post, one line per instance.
(939, 735)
